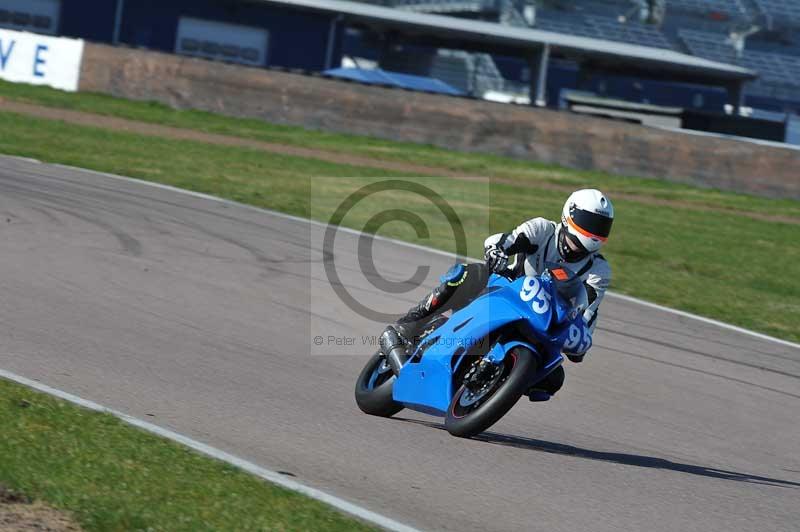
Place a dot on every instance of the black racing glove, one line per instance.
(496, 259)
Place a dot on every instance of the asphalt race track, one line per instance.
(198, 316)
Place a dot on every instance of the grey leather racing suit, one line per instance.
(533, 243)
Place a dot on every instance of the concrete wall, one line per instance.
(536, 134)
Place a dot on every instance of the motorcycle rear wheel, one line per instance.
(470, 414)
(374, 389)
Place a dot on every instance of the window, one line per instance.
(39, 16)
(222, 41)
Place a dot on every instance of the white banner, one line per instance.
(40, 60)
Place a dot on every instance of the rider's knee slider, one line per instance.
(455, 275)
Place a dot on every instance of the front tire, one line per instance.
(471, 413)
(374, 388)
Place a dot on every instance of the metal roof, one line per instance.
(490, 33)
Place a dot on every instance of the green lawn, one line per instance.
(113, 477)
(527, 173)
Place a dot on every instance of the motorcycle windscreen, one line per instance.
(568, 292)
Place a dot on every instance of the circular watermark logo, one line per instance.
(366, 259)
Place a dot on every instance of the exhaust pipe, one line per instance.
(393, 349)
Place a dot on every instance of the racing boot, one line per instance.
(547, 387)
(410, 325)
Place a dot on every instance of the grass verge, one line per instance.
(524, 173)
(111, 476)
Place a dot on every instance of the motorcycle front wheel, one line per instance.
(374, 388)
(474, 410)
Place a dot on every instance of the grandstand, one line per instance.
(601, 27)
(781, 12)
(742, 32)
(506, 50)
(725, 8)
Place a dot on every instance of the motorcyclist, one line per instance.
(586, 221)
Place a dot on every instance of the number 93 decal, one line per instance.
(578, 339)
(532, 290)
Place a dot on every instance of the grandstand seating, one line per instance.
(733, 8)
(564, 22)
(470, 73)
(698, 27)
(631, 32)
(601, 27)
(776, 70)
(503, 10)
(455, 69)
(708, 45)
(445, 6)
(783, 12)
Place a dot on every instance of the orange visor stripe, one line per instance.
(583, 231)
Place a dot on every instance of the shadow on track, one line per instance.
(618, 458)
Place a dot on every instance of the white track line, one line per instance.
(276, 478)
(721, 324)
(426, 249)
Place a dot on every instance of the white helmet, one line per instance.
(585, 224)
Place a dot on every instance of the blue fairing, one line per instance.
(426, 382)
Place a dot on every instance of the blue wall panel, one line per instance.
(296, 39)
(772, 104)
(92, 20)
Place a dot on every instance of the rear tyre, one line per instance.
(472, 412)
(374, 388)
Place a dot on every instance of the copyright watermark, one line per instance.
(361, 278)
(371, 341)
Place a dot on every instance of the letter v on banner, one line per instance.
(40, 59)
(5, 53)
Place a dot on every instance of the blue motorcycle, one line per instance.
(473, 367)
